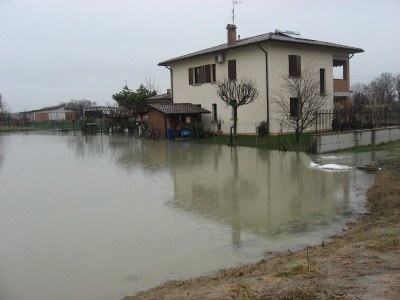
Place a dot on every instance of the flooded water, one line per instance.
(100, 217)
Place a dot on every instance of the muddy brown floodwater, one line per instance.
(103, 217)
(362, 263)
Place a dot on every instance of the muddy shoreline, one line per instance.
(362, 263)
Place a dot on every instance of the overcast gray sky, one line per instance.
(52, 51)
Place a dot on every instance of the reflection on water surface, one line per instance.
(99, 217)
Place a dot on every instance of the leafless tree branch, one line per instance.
(236, 94)
(306, 88)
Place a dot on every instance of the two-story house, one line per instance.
(264, 59)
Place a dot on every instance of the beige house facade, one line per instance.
(264, 59)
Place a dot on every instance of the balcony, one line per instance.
(340, 86)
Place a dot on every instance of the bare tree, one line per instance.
(151, 83)
(4, 111)
(382, 90)
(79, 106)
(236, 94)
(397, 82)
(360, 97)
(299, 100)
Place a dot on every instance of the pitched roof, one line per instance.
(178, 108)
(49, 108)
(268, 37)
(166, 96)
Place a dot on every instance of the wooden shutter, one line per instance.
(207, 71)
(214, 76)
(298, 65)
(232, 69)
(190, 76)
(322, 81)
(294, 65)
(294, 107)
(202, 78)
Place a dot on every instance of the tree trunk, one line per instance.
(298, 133)
(234, 125)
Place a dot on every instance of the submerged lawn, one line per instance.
(361, 263)
(271, 142)
(15, 128)
(288, 142)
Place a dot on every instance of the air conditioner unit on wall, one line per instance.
(219, 58)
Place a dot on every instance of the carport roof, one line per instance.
(179, 108)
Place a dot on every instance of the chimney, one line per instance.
(231, 28)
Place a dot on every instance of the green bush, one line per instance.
(262, 128)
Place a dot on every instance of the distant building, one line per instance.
(162, 98)
(50, 113)
(263, 59)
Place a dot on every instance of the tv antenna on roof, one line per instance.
(234, 2)
(290, 32)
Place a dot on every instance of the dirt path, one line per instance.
(363, 263)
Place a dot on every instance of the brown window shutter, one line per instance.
(214, 76)
(202, 77)
(298, 65)
(197, 75)
(294, 65)
(207, 70)
(322, 81)
(190, 76)
(232, 69)
(294, 107)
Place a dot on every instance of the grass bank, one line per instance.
(363, 262)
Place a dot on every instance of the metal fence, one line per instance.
(341, 120)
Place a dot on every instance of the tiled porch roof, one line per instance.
(178, 108)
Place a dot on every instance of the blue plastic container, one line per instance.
(170, 134)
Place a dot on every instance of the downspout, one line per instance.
(348, 76)
(266, 82)
(172, 83)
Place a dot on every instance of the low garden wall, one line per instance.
(327, 142)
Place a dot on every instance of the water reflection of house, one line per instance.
(264, 194)
(50, 113)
